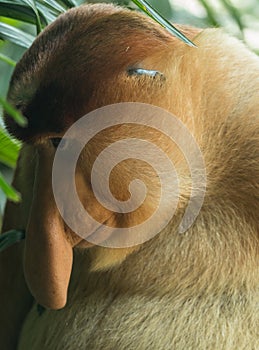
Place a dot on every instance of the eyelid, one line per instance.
(141, 71)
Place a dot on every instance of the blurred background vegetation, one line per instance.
(21, 20)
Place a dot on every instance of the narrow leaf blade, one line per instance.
(9, 149)
(7, 60)
(149, 10)
(8, 190)
(15, 35)
(17, 116)
(54, 5)
(32, 5)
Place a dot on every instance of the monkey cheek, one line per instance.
(47, 268)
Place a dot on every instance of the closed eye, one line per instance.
(141, 71)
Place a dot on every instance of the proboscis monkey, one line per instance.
(194, 290)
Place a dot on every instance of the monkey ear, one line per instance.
(145, 72)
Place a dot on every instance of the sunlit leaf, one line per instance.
(8, 190)
(9, 149)
(15, 35)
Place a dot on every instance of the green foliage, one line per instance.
(9, 149)
(15, 35)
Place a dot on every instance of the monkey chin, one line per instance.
(102, 257)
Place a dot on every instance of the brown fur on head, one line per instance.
(72, 57)
(69, 62)
(80, 63)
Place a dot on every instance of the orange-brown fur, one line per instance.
(198, 290)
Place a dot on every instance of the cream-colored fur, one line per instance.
(197, 290)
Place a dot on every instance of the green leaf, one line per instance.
(7, 60)
(164, 7)
(14, 2)
(9, 238)
(15, 35)
(69, 3)
(54, 5)
(9, 149)
(49, 14)
(150, 11)
(16, 115)
(20, 12)
(8, 190)
(31, 4)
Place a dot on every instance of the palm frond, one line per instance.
(15, 35)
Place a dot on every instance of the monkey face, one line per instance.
(90, 57)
